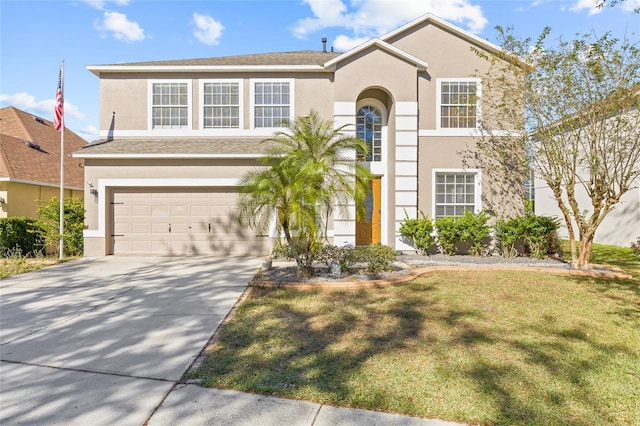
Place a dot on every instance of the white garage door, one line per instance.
(176, 222)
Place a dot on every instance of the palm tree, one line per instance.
(311, 168)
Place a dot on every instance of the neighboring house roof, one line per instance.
(30, 150)
(228, 147)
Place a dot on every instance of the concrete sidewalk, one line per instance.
(191, 405)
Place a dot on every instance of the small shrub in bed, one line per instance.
(635, 247)
(419, 232)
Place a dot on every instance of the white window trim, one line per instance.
(477, 199)
(150, 84)
(461, 131)
(292, 98)
(240, 83)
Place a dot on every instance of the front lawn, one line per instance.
(17, 265)
(473, 347)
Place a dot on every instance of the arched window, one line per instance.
(369, 129)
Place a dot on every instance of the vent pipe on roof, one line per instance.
(324, 45)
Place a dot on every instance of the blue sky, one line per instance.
(35, 36)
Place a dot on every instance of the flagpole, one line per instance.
(62, 165)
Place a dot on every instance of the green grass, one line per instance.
(475, 347)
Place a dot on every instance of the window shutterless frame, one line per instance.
(272, 102)
(221, 104)
(170, 103)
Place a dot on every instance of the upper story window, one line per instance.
(458, 103)
(369, 129)
(170, 104)
(456, 192)
(272, 102)
(221, 104)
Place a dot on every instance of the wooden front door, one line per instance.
(369, 227)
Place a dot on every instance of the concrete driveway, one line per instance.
(102, 341)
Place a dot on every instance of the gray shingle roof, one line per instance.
(303, 57)
(227, 146)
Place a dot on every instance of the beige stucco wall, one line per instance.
(448, 56)
(500, 195)
(374, 68)
(124, 97)
(95, 170)
(21, 199)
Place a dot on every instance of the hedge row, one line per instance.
(530, 235)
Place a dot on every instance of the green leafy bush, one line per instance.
(537, 234)
(448, 235)
(508, 234)
(49, 213)
(419, 231)
(471, 229)
(540, 235)
(377, 257)
(327, 253)
(474, 231)
(22, 236)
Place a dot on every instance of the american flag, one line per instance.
(57, 120)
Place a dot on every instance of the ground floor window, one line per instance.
(456, 192)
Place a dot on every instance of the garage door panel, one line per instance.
(202, 222)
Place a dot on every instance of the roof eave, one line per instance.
(159, 156)
(98, 69)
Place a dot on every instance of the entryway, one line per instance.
(369, 227)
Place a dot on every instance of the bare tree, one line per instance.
(581, 102)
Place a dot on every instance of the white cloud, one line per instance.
(27, 102)
(208, 30)
(343, 43)
(371, 18)
(588, 5)
(100, 4)
(120, 27)
(630, 5)
(89, 133)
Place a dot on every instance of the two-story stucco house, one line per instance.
(177, 135)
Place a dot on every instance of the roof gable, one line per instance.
(439, 22)
(30, 150)
(382, 45)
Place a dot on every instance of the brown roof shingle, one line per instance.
(30, 150)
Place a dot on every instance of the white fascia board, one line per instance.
(419, 63)
(166, 156)
(97, 69)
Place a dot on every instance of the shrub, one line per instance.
(448, 235)
(540, 236)
(328, 253)
(378, 257)
(635, 247)
(21, 236)
(474, 230)
(49, 213)
(419, 231)
(469, 228)
(509, 233)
